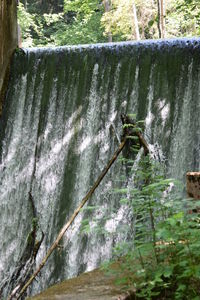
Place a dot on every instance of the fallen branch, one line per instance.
(78, 209)
(76, 212)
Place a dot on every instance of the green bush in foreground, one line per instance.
(163, 260)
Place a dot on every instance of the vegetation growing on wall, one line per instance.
(162, 260)
(67, 22)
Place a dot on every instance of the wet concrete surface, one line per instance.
(94, 285)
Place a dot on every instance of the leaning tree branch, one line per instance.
(78, 209)
(76, 212)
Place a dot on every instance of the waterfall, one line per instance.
(60, 126)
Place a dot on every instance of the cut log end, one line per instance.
(193, 184)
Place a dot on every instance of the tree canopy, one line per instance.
(64, 22)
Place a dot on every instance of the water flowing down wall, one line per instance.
(60, 126)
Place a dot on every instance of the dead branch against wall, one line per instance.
(55, 244)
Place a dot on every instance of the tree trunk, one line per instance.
(8, 41)
(107, 7)
(159, 26)
(136, 26)
(162, 18)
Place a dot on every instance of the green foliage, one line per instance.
(174, 271)
(163, 259)
(43, 6)
(71, 27)
(79, 22)
(120, 19)
(26, 21)
(183, 18)
(35, 27)
(64, 22)
(82, 7)
(85, 25)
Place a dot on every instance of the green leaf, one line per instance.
(168, 271)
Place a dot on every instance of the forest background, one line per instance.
(71, 22)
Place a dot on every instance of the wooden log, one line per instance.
(193, 184)
(55, 244)
(68, 224)
(8, 42)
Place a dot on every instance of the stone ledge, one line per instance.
(94, 285)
